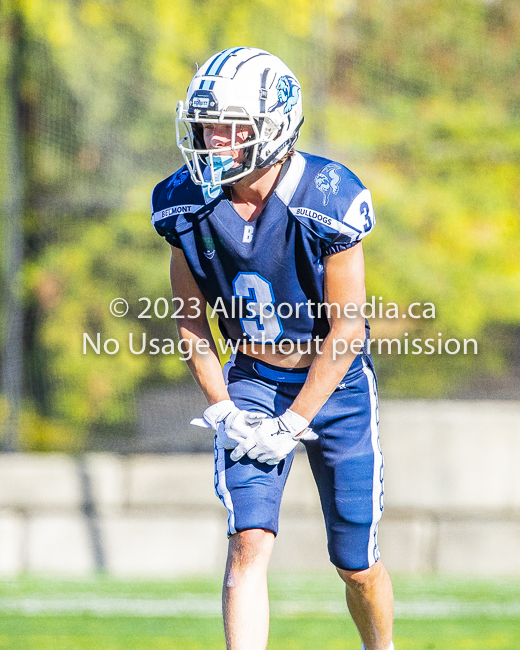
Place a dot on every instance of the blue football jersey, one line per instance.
(265, 278)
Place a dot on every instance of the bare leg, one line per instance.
(245, 602)
(371, 603)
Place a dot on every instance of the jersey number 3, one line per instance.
(365, 212)
(262, 322)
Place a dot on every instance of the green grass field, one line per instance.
(307, 613)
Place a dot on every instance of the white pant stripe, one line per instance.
(220, 468)
(221, 488)
(377, 492)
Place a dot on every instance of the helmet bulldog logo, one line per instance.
(288, 94)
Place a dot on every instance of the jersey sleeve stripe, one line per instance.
(325, 220)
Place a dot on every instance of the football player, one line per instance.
(271, 239)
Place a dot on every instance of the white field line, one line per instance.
(209, 606)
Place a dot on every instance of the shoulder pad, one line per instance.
(332, 202)
(175, 195)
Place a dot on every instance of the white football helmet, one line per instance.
(239, 86)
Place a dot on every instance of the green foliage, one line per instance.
(425, 108)
(75, 285)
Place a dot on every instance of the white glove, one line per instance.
(231, 424)
(275, 438)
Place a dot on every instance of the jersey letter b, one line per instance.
(248, 234)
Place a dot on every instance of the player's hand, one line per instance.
(231, 424)
(237, 426)
(275, 438)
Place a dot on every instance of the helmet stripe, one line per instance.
(207, 84)
(216, 66)
(215, 57)
(227, 59)
(215, 63)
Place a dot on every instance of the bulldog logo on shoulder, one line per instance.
(327, 181)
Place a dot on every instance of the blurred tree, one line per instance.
(425, 105)
(12, 232)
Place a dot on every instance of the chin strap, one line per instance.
(221, 164)
(236, 170)
(268, 162)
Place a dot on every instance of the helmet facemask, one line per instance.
(190, 140)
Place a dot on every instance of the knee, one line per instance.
(250, 548)
(361, 580)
